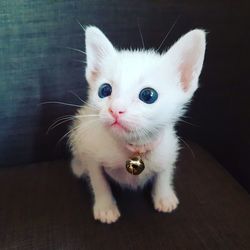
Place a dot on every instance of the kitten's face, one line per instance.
(137, 93)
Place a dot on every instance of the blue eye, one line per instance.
(148, 95)
(104, 90)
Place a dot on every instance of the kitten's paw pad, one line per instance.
(166, 204)
(108, 214)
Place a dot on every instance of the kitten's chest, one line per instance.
(118, 172)
(113, 157)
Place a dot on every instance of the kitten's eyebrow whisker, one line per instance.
(84, 29)
(166, 36)
(142, 40)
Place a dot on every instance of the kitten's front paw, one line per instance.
(106, 213)
(166, 203)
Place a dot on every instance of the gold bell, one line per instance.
(135, 165)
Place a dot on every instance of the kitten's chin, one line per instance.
(116, 127)
(128, 134)
(132, 136)
(119, 130)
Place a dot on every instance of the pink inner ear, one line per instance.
(186, 75)
(188, 67)
(94, 75)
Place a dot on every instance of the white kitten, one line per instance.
(134, 101)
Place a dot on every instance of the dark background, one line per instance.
(36, 67)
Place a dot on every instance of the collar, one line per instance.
(144, 148)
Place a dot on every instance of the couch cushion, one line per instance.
(36, 67)
(43, 206)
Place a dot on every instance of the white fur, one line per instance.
(96, 146)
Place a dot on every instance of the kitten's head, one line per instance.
(137, 93)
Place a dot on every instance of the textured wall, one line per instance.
(35, 67)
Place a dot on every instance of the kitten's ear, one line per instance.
(98, 47)
(187, 56)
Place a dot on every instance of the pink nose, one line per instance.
(115, 113)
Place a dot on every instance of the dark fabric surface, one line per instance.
(43, 206)
(35, 67)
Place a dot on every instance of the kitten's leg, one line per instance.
(164, 197)
(105, 208)
(77, 167)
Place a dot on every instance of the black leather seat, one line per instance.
(43, 206)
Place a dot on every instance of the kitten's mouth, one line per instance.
(117, 124)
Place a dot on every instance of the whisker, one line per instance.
(70, 131)
(65, 135)
(84, 62)
(188, 122)
(88, 104)
(142, 40)
(77, 96)
(61, 118)
(68, 118)
(84, 29)
(58, 123)
(62, 103)
(84, 116)
(187, 145)
(77, 50)
(166, 36)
